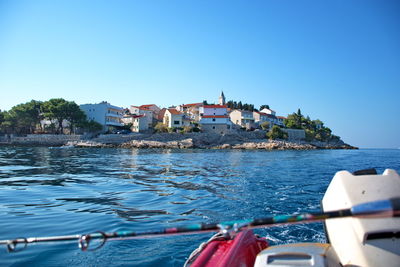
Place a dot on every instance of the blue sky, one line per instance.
(339, 61)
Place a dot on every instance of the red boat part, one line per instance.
(241, 251)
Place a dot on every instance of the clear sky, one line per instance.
(339, 61)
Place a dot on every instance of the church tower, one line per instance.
(221, 99)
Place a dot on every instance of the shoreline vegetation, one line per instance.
(245, 140)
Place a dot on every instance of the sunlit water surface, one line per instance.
(62, 191)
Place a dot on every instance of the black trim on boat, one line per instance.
(383, 235)
(366, 172)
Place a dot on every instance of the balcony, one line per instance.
(114, 123)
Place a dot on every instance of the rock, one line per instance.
(239, 140)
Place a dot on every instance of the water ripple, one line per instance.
(65, 191)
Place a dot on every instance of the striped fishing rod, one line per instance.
(373, 209)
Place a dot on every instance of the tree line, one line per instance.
(55, 116)
(314, 129)
(239, 105)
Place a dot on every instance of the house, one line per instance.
(173, 118)
(268, 111)
(134, 109)
(260, 117)
(242, 118)
(156, 110)
(104, 113)
(280, 120)
(139, 122)
(161, 115)
(214, 118)
(192, 111)
(148, 112)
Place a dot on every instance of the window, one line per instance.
(228, 126)
(213, 119)
(176, 123)
(213, 127)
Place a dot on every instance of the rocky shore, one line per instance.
(252, 140)
(237, 140)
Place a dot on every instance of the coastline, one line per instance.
(239, 140)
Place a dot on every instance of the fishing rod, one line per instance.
(373, 209)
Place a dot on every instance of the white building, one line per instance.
(149, 116)
(214, 118)
(173, 118)
(192, 111)
(243, 118)
(139, 122)
(104, 113)
(260, 117)
(268, 111)
(280, 120)
(154, 108)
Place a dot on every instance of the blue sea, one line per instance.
(63, 191)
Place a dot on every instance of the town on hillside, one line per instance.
(219, 118)
(58, 116)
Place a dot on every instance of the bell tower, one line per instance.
(221, 99)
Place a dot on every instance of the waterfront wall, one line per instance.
(39, 139)
(295, 134)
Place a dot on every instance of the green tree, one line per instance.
(2, 114)
(90, 126)
(276, 133)
(188, 129)
(292, 121)
(56, 110)
(23, 118)
(74, 115)
(264, 106)
(310, 135)
(265, 125)
(161, 128)
(9, 124)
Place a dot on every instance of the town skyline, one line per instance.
(313, 56)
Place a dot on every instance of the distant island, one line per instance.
(224, 125)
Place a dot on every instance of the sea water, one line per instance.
(63, 191)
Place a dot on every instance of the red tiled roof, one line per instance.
(147, 106)
(215, 106)
(192, 105)
(174, 111)
(215, 116)
(281, 117)
(138, 116)
(133, 115)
